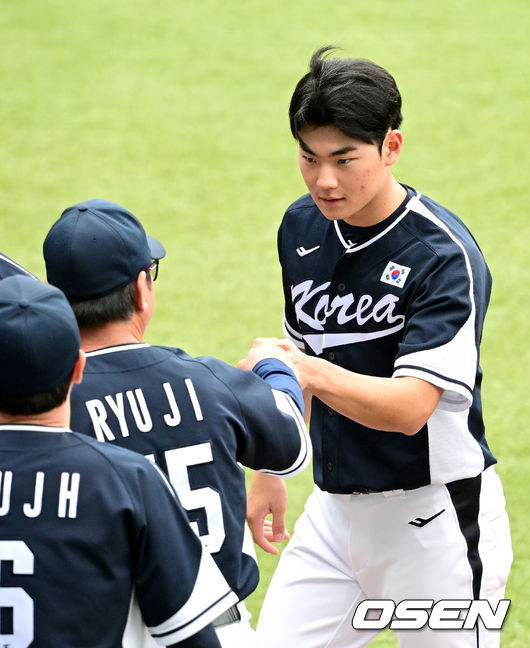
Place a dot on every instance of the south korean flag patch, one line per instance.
(395, 274)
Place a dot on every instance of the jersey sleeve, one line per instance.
(177, 584)
(290, 326)
(272, 435)
(443, 330)
(280, 377)
(205, 638)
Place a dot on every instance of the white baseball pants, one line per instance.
(349, 548)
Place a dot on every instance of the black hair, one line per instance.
(116, 306)
(27, 404)
(356, 96)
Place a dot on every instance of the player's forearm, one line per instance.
(389, 404)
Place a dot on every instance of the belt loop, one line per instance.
(231, 615)
(391, 493)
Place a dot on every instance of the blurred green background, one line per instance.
(178, 111)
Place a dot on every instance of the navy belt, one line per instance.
(230, 616)
(361, 490)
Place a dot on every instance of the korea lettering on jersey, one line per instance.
(405, 297)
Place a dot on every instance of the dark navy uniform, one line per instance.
(405, 297)
(393, 517)
(84, 526)
(199, 419)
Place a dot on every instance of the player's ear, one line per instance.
(141, 289)
(392, 146)
(79, 367)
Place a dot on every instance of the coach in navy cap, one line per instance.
(135, 394)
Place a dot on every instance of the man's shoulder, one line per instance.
(115, 464)
(207, 365)
(111, 365)
(302, 217)
(441, 228)
(108, 453)
(128, 357)
(303, 207)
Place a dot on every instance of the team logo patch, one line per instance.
(395, 274)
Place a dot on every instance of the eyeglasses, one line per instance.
(153, 268)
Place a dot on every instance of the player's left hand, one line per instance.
(269, 535)
(267, 495)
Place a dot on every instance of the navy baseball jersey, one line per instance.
(9, 267)
(405, 297)
(199, 419)
(85, 526)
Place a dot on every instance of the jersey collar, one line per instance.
(400, 213)
(115, 349)
(31, 427)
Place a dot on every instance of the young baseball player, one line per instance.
(385, 297)
(199, 419)
(89, 533)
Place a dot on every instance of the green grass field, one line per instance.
(177, 110)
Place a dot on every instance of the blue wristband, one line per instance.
(280, 377)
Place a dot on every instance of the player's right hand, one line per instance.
(263, 348)
(267, 495)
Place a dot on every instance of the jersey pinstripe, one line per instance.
(81, 526)
(200, 420)
(405, 297)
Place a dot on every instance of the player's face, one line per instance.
(347, 178)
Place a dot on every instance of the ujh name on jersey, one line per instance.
(64, 490)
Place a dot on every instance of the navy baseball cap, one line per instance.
(39, 337)
(96, 247)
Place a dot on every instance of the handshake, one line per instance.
(283, 350)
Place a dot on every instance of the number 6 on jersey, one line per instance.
(14, 601)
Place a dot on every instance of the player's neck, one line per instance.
(111, 334)
(382, 206)
(57, 417)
